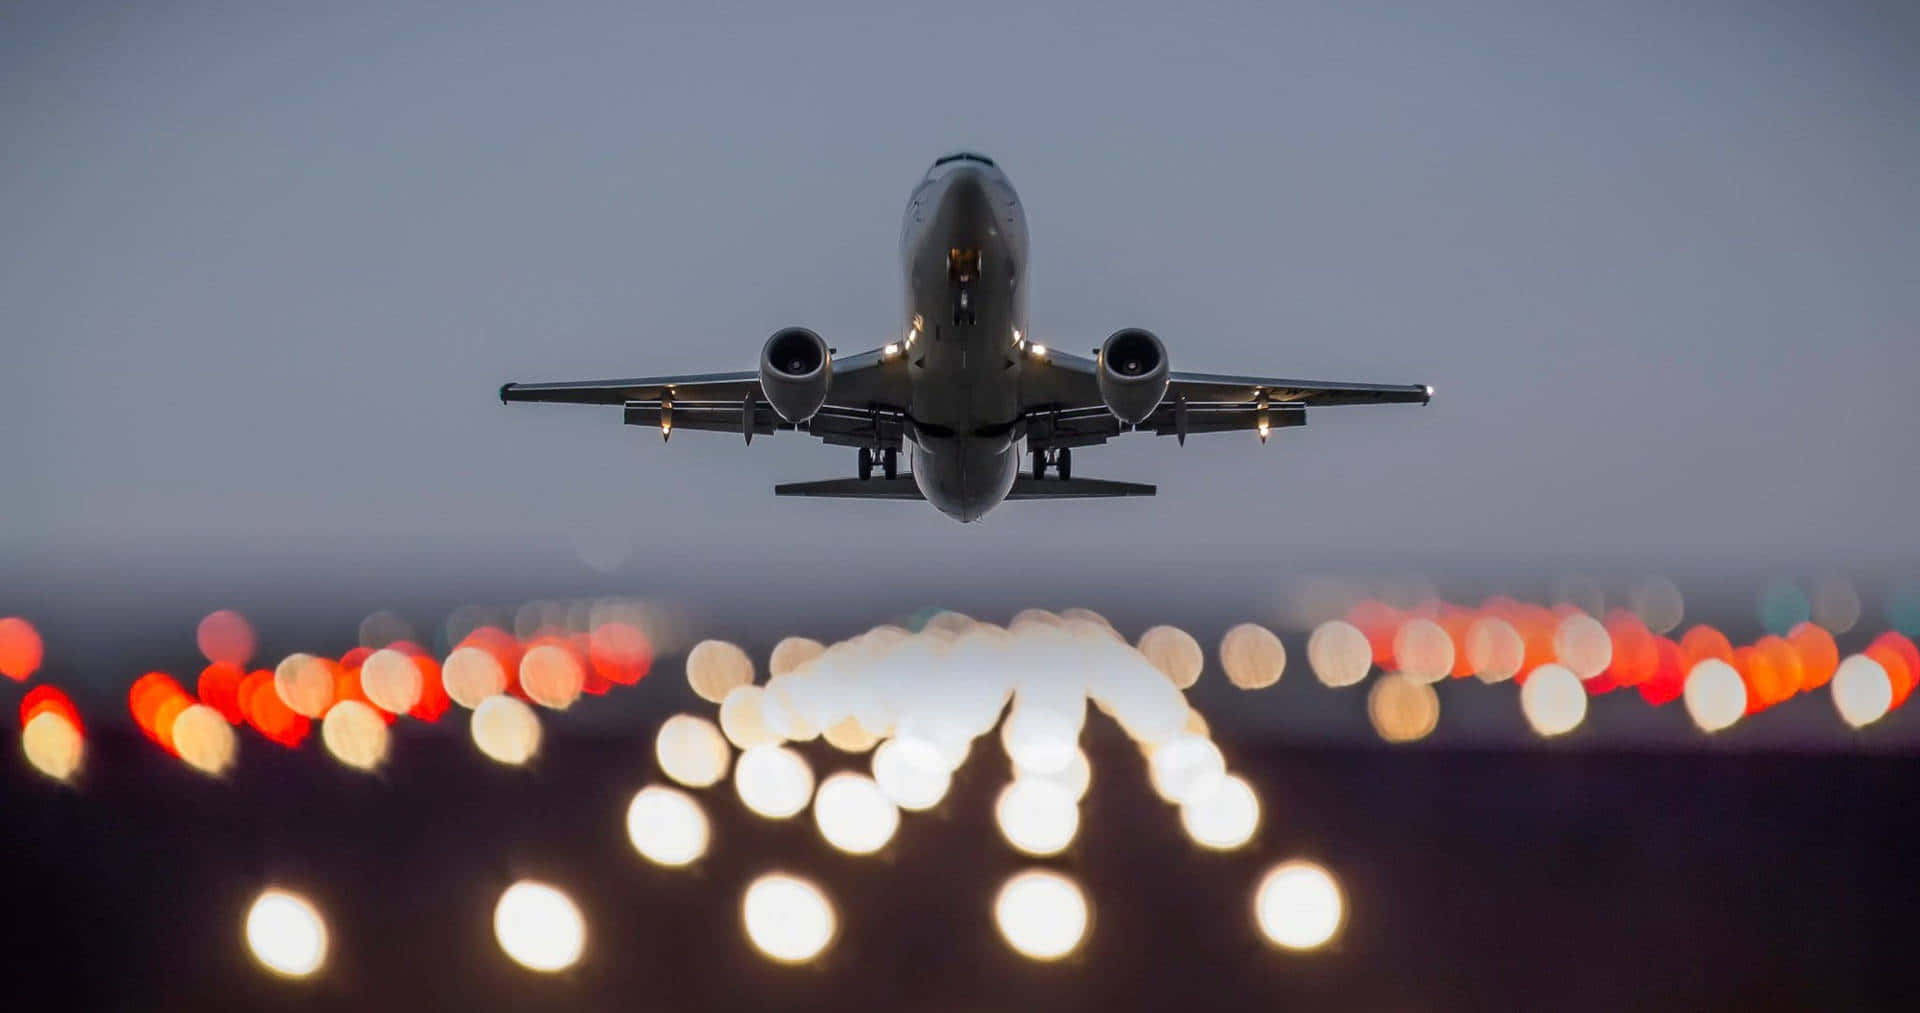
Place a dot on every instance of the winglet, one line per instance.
(1428, 388)
(503, 391)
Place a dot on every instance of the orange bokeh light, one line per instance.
(1819, 655)
(1896, 654)
(1703, 642)
(619, 652)
(20, 649)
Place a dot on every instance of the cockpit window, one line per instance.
(962, 156)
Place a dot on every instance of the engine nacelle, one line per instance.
(795, 368)
(1133, 374)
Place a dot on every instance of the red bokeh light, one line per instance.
(219, 688)
(1669, 676)
(226, 636)
(20, 649)
(45, 698)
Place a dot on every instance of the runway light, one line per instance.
(52, 744)
(472, 674)
(1401, 709)
(1175, 653)
(286, 934)
(912, 773)
(225, 636)
(1036, 816)
(539, 927)
(1715, 695)
(1582, 644)
(506, 730)
(791, 653)
(773, 781)
(667, 826)
(787, 918)
(1862, 692)
(552, 676)
(1298, 905)
(391, 681)
(715, 667)
(1495, 649)
(203, 738)
(1339, 653)
(1224, 818)
(853, 814)
(1252, 656)
(1553, 700)
(743, 718)
(355, 734)
(1422, 650)
(1185, 766)
(692, 751)
(1041, 914)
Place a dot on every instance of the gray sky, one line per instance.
(264, 265)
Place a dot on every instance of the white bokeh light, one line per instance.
(853, 814)
(1223, 818)
(1714, 694)
(1041, 914)
(773, 781)
(539, 927)
(1036, 816)
(1339, 653)
(286, 934)
(1185, 766)
(667, 826)
(912, 773)
(1298, 905)
(692, 751)
(505, 729)
(1862, 692)
(355, 734)
(788, 918)
(1553, 700)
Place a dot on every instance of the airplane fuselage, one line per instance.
(964, 249)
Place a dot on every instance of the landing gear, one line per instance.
(866, 464)
(890, 462)
(1061, 460)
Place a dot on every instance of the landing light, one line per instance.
(1039, 351)
(892, 349)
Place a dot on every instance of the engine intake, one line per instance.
(1133, 374)
(795, 369)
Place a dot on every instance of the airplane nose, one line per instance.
(965, 200)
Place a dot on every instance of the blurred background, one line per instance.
(265, 265)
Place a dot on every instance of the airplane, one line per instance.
(967, 390)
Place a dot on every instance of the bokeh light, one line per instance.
(355, 734)
(791, 653)
(1782, 606)
(539, 927)
(667, 826)
(506, 730)
(1495, 649)
(21, 650)
(1715, 695)
(853, 814)
(1658, 603)
(1835, 604)
(306, 684)
(1252, 656)
(472, 674)
(1175, 653)
(716, 667)
(1036, 816)
(911, 773)
(773, 781)
(53, 744)
(225, 637)
(692, 751)
(552, 675)
(203, 738)
(1862, 691)
(1223, 818)
(1581, 644)
(1402, 709)
(391, 680)
(1553, 700)
(1185, 766)
(1903, 608)
(1422, 650)
(1339, 653)
(788, 918)
(286, 934)
(1041, 914)
(743, 717)
(1298, 905)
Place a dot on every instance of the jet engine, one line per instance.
(795, 368)
(1133, 374)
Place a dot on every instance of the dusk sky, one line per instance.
(265, 265)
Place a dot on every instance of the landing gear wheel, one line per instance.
(890, 463)
(1039, 464)
(866, 464)
(1063, 463)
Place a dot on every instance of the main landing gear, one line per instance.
(889, 463)
(1061, 460)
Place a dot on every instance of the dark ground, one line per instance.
(1537, 879)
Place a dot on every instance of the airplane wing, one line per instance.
(865, 401)
(1065, 408)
